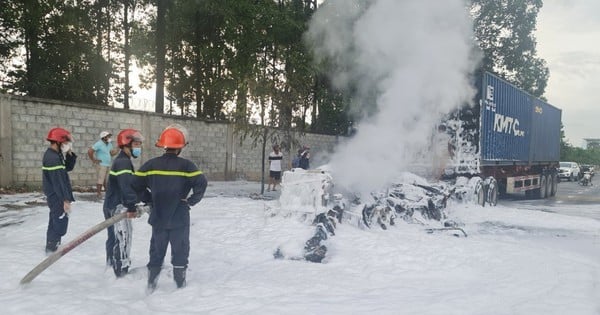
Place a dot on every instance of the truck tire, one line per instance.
(554, 185)
(540, 193)
(479, 194)
(548, 188)
(492, 192)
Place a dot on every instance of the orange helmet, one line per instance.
(171, 138)
(59, 135)
(126, 136)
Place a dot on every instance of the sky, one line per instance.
(568, 33)
(513, 261)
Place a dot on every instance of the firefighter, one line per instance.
(120, 197)
(170, 179)
(58, 160)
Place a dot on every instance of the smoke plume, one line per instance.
(408, 62)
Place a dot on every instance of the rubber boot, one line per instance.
(153, 273)
(51, 246)
(120, 272)
(179, 276)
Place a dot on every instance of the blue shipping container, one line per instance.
(545, 136)
(505, 121)
(515, 126)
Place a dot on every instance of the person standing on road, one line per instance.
(170, 179)
(101, 154)
(57, 162)
(120, 197)
(275, 158)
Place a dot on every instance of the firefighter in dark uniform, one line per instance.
(58, 160)
(170, 179)
(120, 197)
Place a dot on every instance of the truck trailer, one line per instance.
(508, 142)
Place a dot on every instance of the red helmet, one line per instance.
(171, 138)
(59, 135)
(126, 136)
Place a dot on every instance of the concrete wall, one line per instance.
(215, 147)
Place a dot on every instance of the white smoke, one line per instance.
(416, 56)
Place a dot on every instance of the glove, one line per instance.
(67, 207)
(142, 208)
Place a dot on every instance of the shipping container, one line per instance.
(505, 122)
(545, 137)
(509, 142)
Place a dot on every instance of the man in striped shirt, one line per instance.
(275, 158)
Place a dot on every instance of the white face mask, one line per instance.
(65, 147)
(109, 140)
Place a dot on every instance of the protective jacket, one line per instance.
(55, 179)
(120, 180)
(170, 179)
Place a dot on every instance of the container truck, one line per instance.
(508, 142)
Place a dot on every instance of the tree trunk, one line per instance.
(161, 13)
(315, 103)
(33, 63)
(127, 53)
(263, 156)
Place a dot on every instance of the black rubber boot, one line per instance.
(120, 272)
(51, 246)
(153, 273)
(179, 276)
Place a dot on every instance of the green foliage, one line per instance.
(570, 153)
(581, 155)
(67, 49)
(242, 61)
(504, 30)
(591, 155)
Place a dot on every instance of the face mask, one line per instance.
(65, 147)
(136, 152)
(109, 140)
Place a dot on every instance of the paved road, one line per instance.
(571, 199)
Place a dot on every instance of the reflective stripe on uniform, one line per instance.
(114, 173)
(168, 173)
(53, 168)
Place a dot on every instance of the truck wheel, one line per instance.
(548, 186)
(554, 185)
(492, 195)
(481, 196)
(478, 190)
(540, 193)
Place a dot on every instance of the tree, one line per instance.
(8, 33)
(504, 30)
(70, 50)
(126, 29)
(161, 12)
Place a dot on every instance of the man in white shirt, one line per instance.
(275, 158)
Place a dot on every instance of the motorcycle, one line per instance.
(586, 179)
